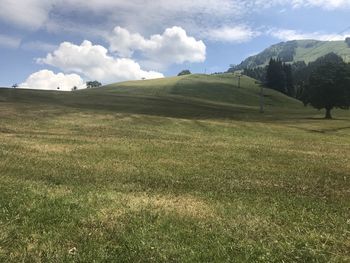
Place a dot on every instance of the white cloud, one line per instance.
(27, 13)
(235, 34)
(124, 43)
(325, 4)
(9, 41)
(136, 14)
(174, 46)
(93, 62)
(147, 15)
(48, 80)
(288, 34)
(256, 5)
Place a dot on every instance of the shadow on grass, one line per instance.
(173, 106)
(322, 131)
(324, 119)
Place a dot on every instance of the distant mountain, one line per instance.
(298, 50)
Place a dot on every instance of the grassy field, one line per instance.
(175, 170)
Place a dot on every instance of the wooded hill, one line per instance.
(297, 50)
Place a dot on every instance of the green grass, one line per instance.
(174, 170)
(321, 49)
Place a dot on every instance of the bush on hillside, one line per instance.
(184, 72)
(93, 84)
(347, 41)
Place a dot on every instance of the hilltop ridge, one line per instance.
(298, 50)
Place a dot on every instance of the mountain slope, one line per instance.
(298, 50)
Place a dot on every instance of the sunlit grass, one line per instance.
(188, 183)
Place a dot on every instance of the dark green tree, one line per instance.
(275, 76)
(302, 72)
(258, 73)
(328, 88)
(184, 72)
(347, 41)
(93, 84)
(289, 80)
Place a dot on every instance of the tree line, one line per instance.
(323, 84)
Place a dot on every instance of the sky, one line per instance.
(51, 44)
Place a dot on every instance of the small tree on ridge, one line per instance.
(185, 72)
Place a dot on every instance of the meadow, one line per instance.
(175, 170)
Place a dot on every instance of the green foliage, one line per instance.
(256, 73)
(289, 80)
(93, 84)
(279, 77)
(347, 41)
(275, 76)
(329, 87)
(302, 72)
(328, 58)
(184, 72)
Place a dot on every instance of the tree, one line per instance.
(184, 72)
(15, 86)
(74, 88)
(258, 73)
(275, 76)
(328, 88)
(287, 69)
(93, 84)
(302, 72)
(347, 41)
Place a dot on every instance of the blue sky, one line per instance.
(45, 44)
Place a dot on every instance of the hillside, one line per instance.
(298, 50)
(187, 96)
(219, 89)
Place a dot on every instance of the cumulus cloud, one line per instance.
(48, 80)
(288, 34)
(235, 34)
(94, 63)
(174, 46)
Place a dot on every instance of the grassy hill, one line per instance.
(298, 50)
(194, 96)
(173, 170)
